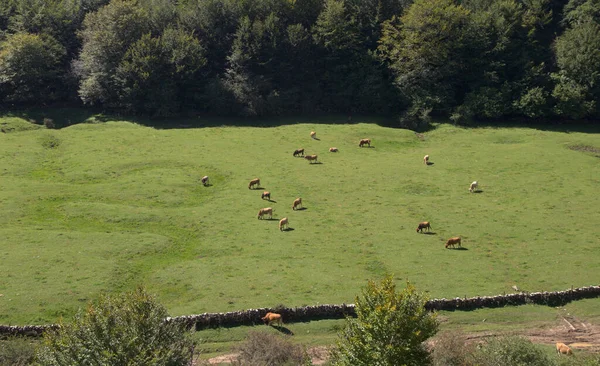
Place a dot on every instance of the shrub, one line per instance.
(389, 330)
(50, 141)
(451, 349)
(49, 123)
(511, 351)
(16, 352)
(267, 349)
(129, 329)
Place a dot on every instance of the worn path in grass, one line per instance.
(108, 206)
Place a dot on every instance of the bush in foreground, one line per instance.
(511, 351)
(128, 329)
(16, 352)
(390, 328)
(266, 349)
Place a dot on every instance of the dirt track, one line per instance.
(579, 335)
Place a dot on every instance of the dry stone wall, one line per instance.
(308, 313)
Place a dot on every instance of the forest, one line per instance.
(463, 60)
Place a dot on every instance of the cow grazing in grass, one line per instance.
(333, 149)
(299, 152)
(266, 195)
(297, 202)
(453, 241)
(563, 349)
(364, 142)
(204, 180)
(311, 158)
(265, 211)
(426, 159)
(473, 186)
(284, 224)
(271, 318)
(313, 135)
(254, 183)
(424, 225)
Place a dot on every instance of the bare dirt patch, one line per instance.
(578, 334)
(586, 149)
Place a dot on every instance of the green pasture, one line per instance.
(106, 206)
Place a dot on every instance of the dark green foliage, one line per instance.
(16, 352)
(390, 328)
(513, 351)
(118, 330)
(266, 349)
(30, 69)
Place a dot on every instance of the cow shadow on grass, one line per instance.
(257, 188)
(429, 233)
(207, 185)
(478, 191)
(316, 163)
(458, 248)
(271, 219)
(283, 330)
(301, 209)
(288, 229)
(430, 163)
(270, 200)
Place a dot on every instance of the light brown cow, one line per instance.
(266, 194)
(299, 152)
(313, 135)
(426, 159)
(333, 149)
(311, 158)
(297, 202)
(453, 241)
(205, 180)
(364, 142)
(271, 318)
(254, 182)
(265, 211)
(284, 224)
(424, 225)
(473, 186)
(563, 349)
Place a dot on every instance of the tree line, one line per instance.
(462, 59)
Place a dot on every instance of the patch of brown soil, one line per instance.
(586, 148)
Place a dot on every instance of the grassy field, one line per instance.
(107, 206)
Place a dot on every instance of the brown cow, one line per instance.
(266, 194)
(284, 223)
(205, 180)
(254, 182)
(299, 152)
(271, 318)
(364, 142)
(426, 159)
(333, 149)
(563, 349)
(313, 135)
(453, 241)
(311, 158)
(297, 202)
(424, 225)
(265, 211)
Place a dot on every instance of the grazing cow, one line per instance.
(563, 349)
(426, 159)
(364, 142)
(284, 223)
(254, 182)
(265, 211)
(333, 149)
(297, 202)
(453, 241)
(424, 225)
(266, 194)
(299, 152)
(313, 135)
(311, 158)
(473, 186)
(271, 318)
(205, 180)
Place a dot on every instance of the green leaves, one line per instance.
(389, 330)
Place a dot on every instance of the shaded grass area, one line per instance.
(107, 206)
